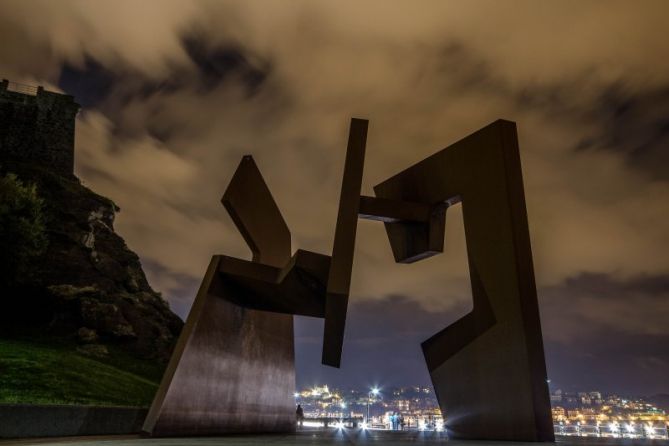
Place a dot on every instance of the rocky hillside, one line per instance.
(88, 286)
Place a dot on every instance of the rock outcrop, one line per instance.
(89, 286)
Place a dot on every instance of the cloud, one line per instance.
(387, 332)
(607, 333)
(187, 88)
(121, 34)
(584, 350)
(597, 304)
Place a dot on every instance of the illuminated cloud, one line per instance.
(177, 92)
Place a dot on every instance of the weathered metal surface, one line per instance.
(488, 368)
(298, 288)
(339, 277)
(393, 211)
(233, 369)
(252, 208)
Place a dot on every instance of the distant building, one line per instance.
(559, 413)
(595, 395)
(36, 128)
(403, 405)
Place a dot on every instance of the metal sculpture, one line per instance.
(488, 368)
(233, 367)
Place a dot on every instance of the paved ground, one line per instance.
(318, 437)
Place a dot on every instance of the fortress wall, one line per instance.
(36, 127)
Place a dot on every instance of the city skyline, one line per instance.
(558, 397)
(585, 413)
(173, 95)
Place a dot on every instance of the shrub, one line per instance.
(22, 230)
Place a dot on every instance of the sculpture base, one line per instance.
(481, 405)
(232, 371)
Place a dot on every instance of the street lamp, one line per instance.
(374, 391)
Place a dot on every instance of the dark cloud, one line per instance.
(608, 333)
(216, 63)
(638, 126)
(90, 84)
(629, 365)
(382, 344)
(605, 286)
(178, 91)
(594, 304)
(591, 334)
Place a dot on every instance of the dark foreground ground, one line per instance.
(319, 437)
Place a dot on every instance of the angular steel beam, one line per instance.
(297, 289)
(252, 208)
(393, 211)
(339, 277)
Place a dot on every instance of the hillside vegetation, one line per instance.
(41, 371)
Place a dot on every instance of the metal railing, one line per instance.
(21, 88)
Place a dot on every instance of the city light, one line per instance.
(591, 414)
(373, 391)
(584, 414)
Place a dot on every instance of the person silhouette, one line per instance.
(299, 413)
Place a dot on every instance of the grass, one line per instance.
(41, 371)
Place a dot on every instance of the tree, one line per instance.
(22, 230)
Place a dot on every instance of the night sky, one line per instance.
(174, 93)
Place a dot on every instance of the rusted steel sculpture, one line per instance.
(233, 367)
(488, 368)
